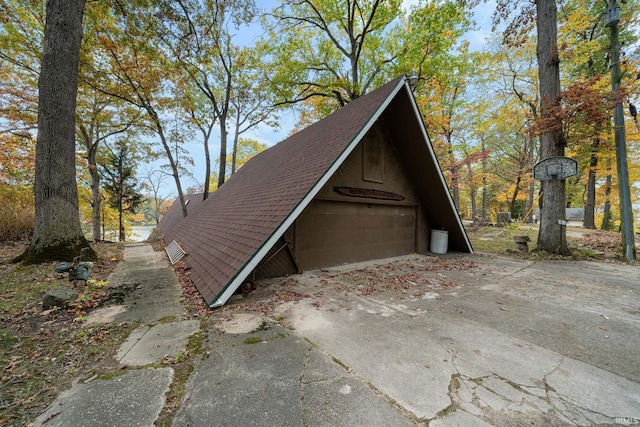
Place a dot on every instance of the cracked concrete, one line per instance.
(132, 397)
(280, 379)
(429, 341)
(503, 343)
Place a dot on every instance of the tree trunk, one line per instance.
(96, 199)
(236, 137)
(121, 233)
(484, 184)
(57, 233)
(552, 236)
(514, 196)
(472, 190)
(532, 185)
(207, 165)
(590, 205)
(223, 149)
(172, 162)
(606, 218)
(455, 187)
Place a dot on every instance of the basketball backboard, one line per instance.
(555, 168)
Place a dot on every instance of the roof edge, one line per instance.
(253, 262)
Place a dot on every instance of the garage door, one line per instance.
(331, 233)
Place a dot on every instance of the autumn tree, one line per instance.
(99, 118)
(57, 232)
(120, 181)
(246, 149)
(446, 117)
(152, 181)
(585, 53)
(135, 70)
(336, 50)
(231, 78)
(520, 17)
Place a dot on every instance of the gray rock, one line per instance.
(59, 297)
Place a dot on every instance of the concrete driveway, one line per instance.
(440, 341)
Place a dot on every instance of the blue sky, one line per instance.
(478, 38)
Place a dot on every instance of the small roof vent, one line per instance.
(174, 252)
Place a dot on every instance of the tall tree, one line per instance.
(120, 182)
(136, 71)
(98, 121)
(152, 181)
(336, 50)
(332, 52)
(228, 76)
(57, 233)
(521, 17)
(552, 236)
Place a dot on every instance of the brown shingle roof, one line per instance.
(173, 216)
(227, 236)
(224, 236)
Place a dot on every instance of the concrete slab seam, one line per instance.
(376, 391)
(148, 328)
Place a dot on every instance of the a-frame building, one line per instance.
(363, 183)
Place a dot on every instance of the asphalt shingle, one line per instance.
(224, 233)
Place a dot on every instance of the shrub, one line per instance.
(17, 212)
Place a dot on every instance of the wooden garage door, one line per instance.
(331, 233)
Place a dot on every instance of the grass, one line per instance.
(584, 244)
(41, 353)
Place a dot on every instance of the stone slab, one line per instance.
(133, 399)
(147, 345)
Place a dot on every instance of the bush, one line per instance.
(17, 213)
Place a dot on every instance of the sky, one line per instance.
(477, 38)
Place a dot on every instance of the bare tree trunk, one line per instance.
(223, 149)
(552, 236)
(121, 232)
(514, 196)
(472, 191)
(236, 136)
(57, 234)
(532, 185)
(207, 172)
(172, 162)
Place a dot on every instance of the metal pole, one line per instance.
(628, 242)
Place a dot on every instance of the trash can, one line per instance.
(439, 241)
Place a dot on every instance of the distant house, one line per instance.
(360, 184)
(574, 216)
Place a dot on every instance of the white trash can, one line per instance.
(439, 241)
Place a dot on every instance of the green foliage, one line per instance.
(333, 50)
(120, 181)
